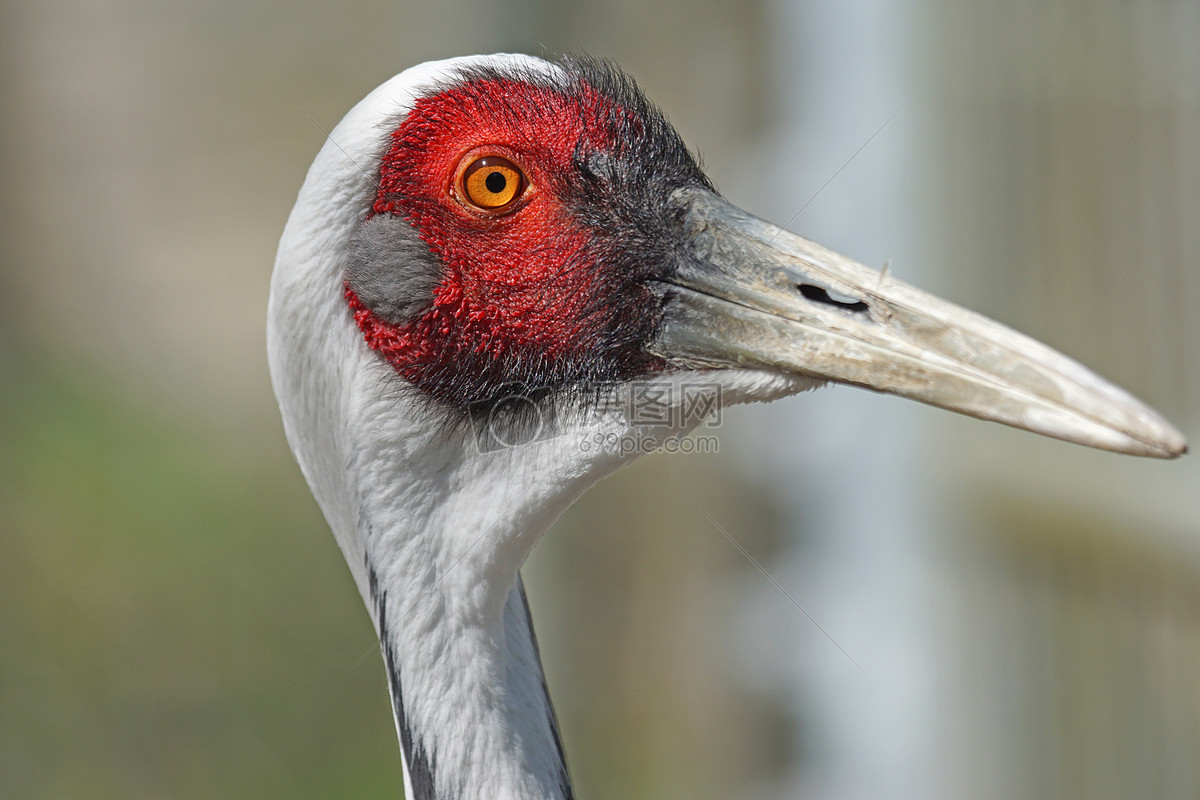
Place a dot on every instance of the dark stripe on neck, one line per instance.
(564, 776)
(420, 765)
(420, 769)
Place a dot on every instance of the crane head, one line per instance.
(544, 227)
(522, 223)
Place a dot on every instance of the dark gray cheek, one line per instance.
(391, 270)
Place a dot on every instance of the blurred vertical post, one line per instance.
(845, 79)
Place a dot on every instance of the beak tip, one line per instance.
(1172, 441)
(1168, 443)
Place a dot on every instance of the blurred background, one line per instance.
(1001, 616)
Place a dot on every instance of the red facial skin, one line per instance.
(518, 298)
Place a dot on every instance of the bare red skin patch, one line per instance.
(525, 296)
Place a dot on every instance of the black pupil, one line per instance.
(495, 182)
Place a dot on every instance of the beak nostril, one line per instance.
(819, 294)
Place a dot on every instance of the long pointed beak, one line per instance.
(749, 294)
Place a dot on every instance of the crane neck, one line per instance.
(443, 543)
(471, 707)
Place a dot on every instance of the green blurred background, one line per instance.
(176, 620)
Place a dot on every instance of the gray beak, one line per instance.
(748, 294)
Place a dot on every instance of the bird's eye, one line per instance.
(492, 183)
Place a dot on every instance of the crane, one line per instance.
(497, 271)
